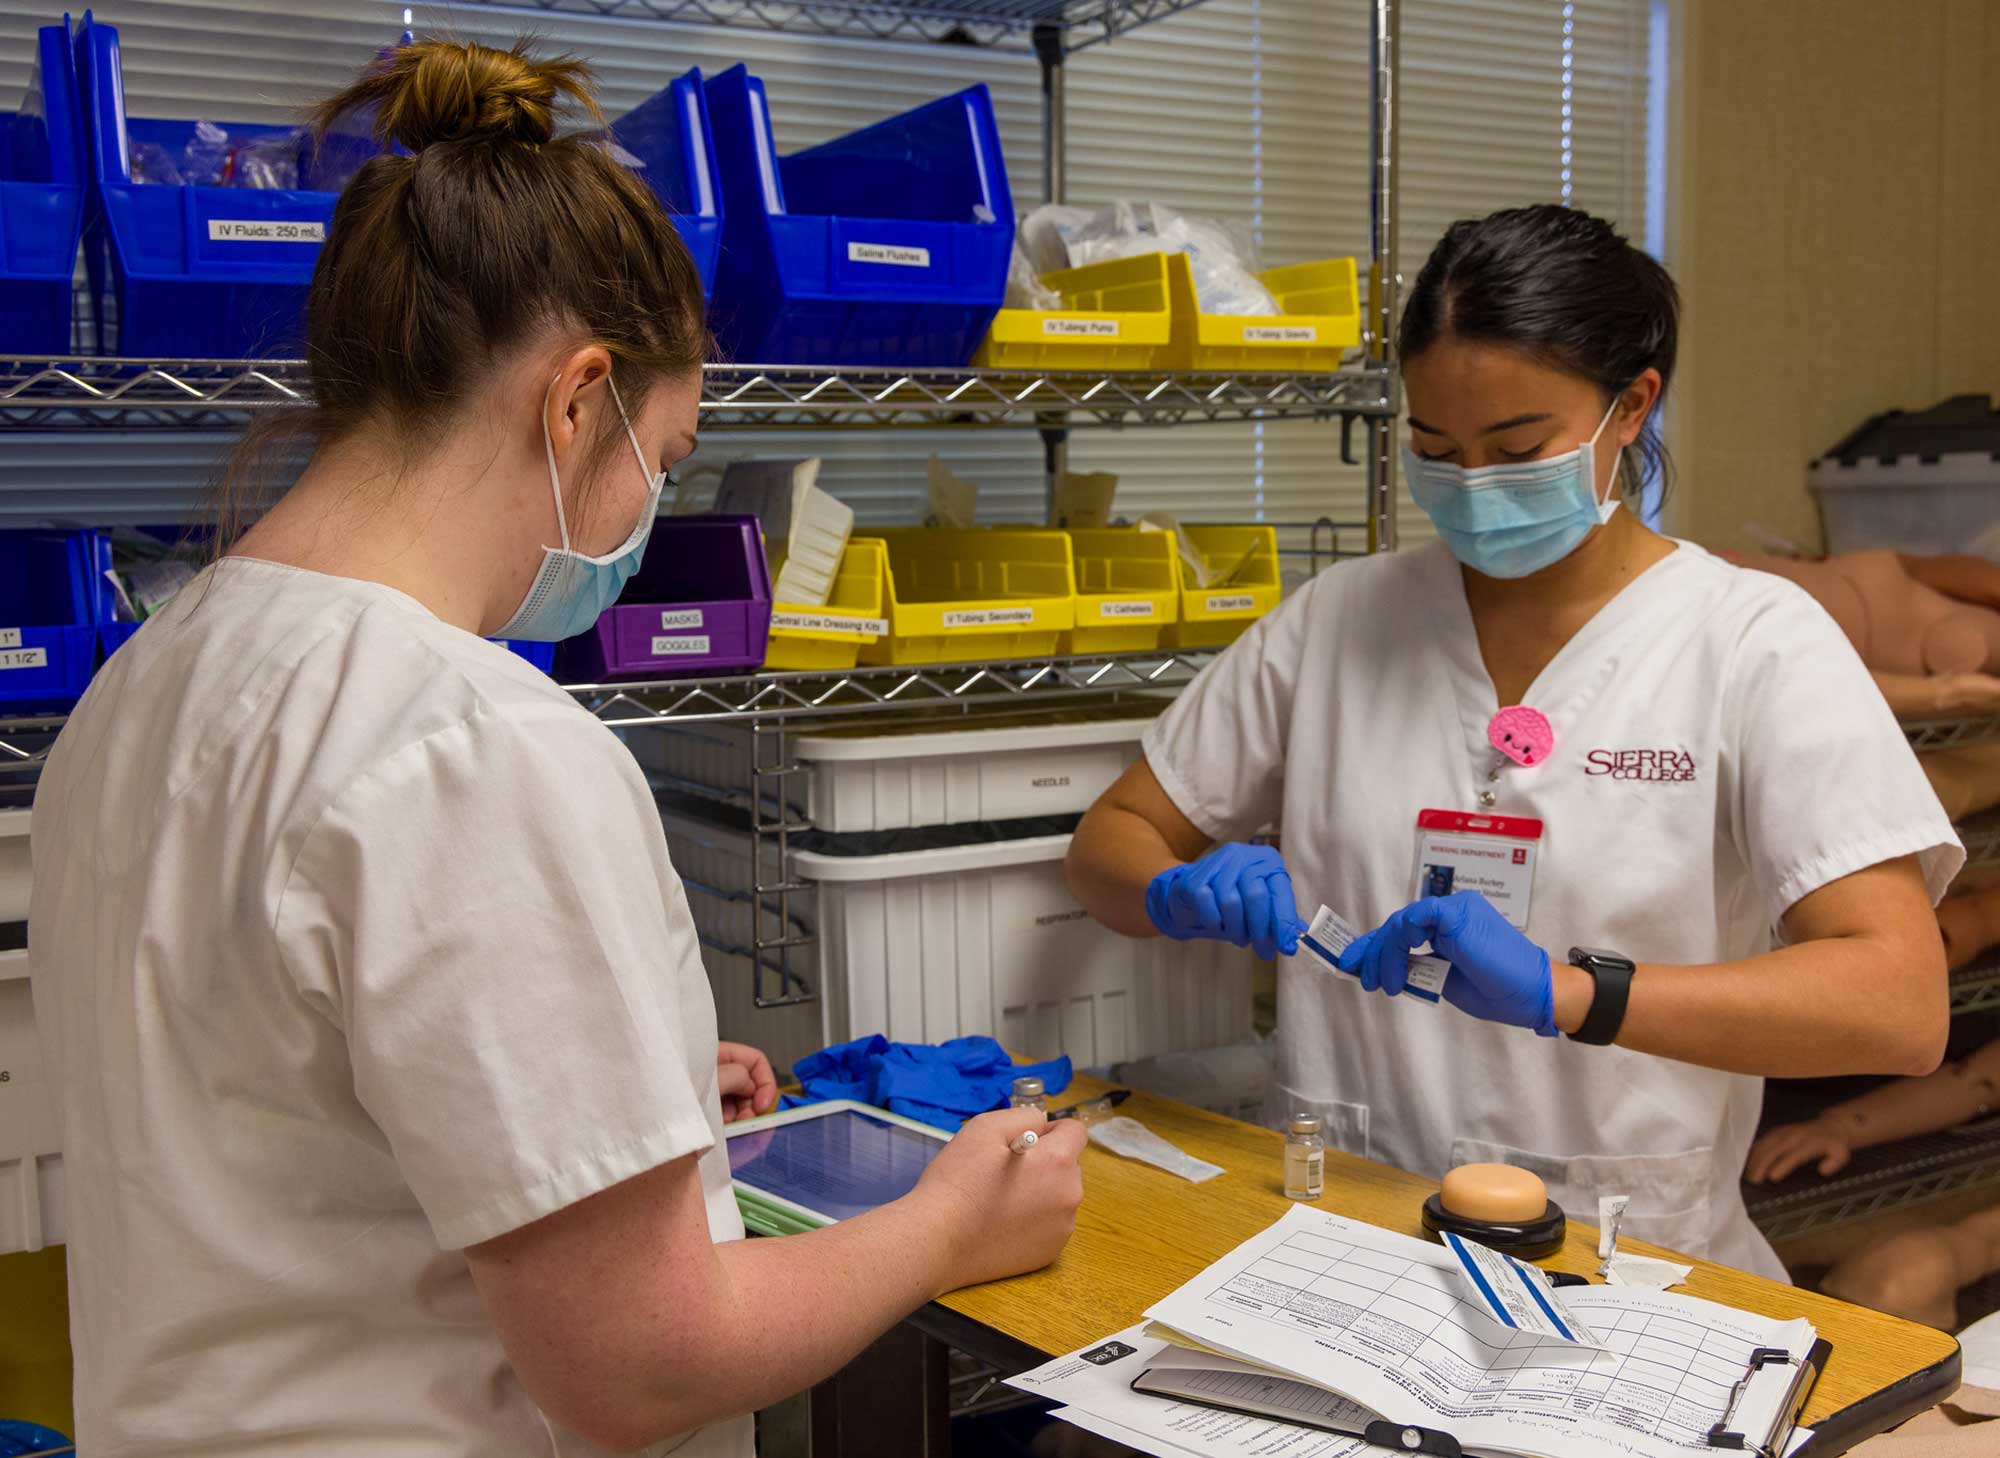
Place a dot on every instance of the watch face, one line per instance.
(1598, 954)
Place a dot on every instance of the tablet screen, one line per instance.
(839, 1165)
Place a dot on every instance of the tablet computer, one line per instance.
(807, 1167)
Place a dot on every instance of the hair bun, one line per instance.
(459, 91)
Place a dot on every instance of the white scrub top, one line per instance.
(1363, 700)
(354, 943)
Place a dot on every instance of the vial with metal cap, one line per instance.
(1305, 1158)
(1029, 1094)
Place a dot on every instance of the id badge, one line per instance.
(1491, 854)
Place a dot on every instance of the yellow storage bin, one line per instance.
(1212, 617)
(1115, 316)
(856, 615)
(975, 594)
(1127, 590)
(1320, 319)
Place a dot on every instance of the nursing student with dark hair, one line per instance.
(1688, 846)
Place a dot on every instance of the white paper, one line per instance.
(1192, 562)
(804, 524)
(1519, 1295)
(1126, 1136)
(1097, 1393)
(1330, 935)
(1383, 1319)
(954, 500)
(264, 230)
(1083, 498)
(1645, 1272)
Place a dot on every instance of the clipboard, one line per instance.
(1764, 1407)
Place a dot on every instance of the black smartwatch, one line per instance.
(1612, 975)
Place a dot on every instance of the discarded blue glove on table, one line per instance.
(942, 1085)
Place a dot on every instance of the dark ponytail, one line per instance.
(1565, 289)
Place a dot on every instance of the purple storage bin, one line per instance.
(700, 603)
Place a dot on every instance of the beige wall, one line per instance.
(1835, 197)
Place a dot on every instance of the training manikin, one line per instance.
(1931, 653)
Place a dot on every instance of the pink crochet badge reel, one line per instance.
(1523, 734)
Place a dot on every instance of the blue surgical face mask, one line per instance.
(1517, 517)
(571, 588)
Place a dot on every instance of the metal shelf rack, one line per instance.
(1952, 733)
(1001, 24)
(82, 392)
(771, 698)
(1976, 988)
(86, 394)
(1880, 1180)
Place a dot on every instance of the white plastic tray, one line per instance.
(1950, 504)
(864, 776)
(30, 1161)
(922, 946)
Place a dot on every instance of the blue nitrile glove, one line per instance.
(1236, 893)
(1496, 972)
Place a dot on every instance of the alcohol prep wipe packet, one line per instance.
(1329, 936)
(1517, 1295)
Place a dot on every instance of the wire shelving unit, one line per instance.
(85, 394)
(1880, 1181)
(1001, 24)
(82, 392)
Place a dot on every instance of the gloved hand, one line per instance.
(1240, 894)
(1496, 972)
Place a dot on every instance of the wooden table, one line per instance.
(1142, 1232)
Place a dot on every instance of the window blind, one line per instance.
(1250, 109)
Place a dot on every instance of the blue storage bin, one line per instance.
(542, 655)
(195, 272)
(50, 604)
(670, 133)
(887, 246)
(41, 202)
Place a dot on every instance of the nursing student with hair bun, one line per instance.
(392, 1101)
(1649, 806)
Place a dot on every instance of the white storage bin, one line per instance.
(1915, 481)
(936, 771)
(1950, 504)
(15, 876)
(927, 945)
(30, 1161)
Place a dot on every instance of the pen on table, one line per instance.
(1102, 1104)
(1024, 1141)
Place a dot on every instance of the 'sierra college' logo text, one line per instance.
(1640, 764)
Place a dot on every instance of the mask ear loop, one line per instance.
(1610, 502)
(549, 446)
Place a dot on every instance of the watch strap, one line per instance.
(1611, 975)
